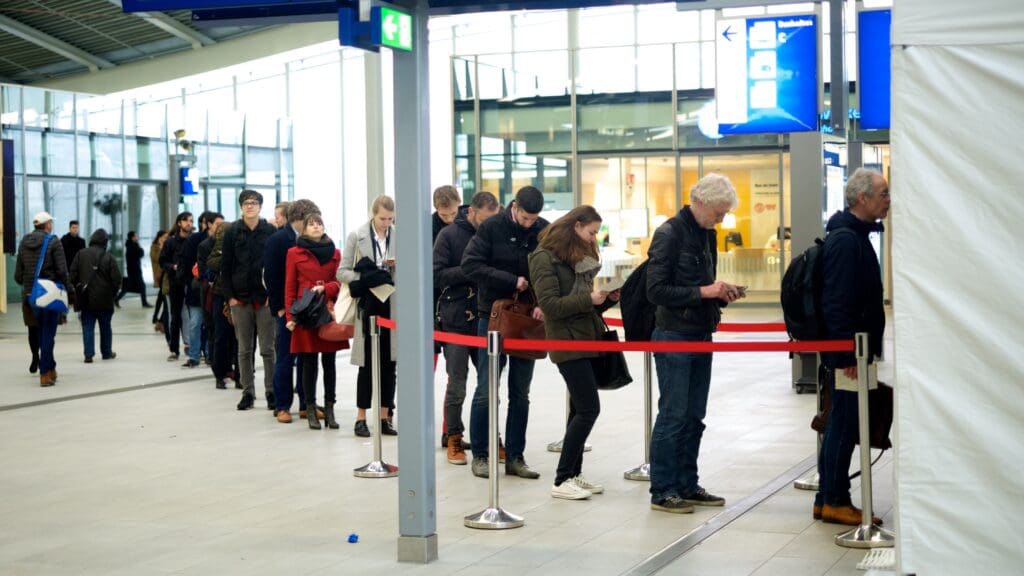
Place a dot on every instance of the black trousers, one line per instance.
(309, 373)
(177, 303)
(584, 408)
(364, 384)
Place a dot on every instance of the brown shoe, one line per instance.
(319, 413)
(45, 380)
(816, 512)
(848, 515)
(501, 450)
(456, 453)
(284, 417)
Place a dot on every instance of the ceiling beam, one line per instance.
(40, 38)
(173, 27)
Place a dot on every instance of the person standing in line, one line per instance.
(170, 256)
(681, 282)
(281, 215)
(851, 302)
(72, 242)
(187, 277)
(496, 260)
(563, 268)
(275, 258)
(54, 268)
(312, 264)
(447, 202)
(133, 254)
(204, 280)
(96, 277)
(246, 293)
(223, 345)
(456, 312)
(367, 262)
(159, 309)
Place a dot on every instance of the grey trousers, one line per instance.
(248, 319)
(456, 360)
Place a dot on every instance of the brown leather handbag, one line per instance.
(513, 318)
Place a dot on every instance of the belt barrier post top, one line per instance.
(374, 327)
(494, 342)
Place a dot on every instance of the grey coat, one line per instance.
(359, 244)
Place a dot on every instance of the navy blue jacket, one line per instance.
(188, 259)
(275, 254)
(851, 297)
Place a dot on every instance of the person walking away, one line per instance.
(133, 282)
(681, 281)
(312, 264)
(496, 260)
(96, 277)
(54, 267)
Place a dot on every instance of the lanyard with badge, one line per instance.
(381, 263)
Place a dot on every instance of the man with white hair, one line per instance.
(54, 267)
(681, 281)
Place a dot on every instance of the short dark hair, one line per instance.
(250, 195)
(182, 217)
(483, 201)
(530, 200)
(206, 217)
(72, 223)
(213, 216)
(299, 209)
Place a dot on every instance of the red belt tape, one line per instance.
(727, 326)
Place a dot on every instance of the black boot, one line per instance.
(314, 423)
(329, 416)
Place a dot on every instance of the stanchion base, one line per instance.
(493, 519)
(866, 537)
(808, 482)
(641, 473)
(376, 469)
(557, 447)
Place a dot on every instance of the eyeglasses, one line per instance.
(250, 203)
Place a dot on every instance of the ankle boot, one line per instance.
(314, 424)
(329, 416)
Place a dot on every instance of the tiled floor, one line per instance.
(172, 479)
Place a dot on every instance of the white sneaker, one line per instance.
(569, 490)
(592, 487)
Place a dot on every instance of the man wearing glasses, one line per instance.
(246, 294)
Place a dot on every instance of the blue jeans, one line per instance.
(47, 320)
(684, 380)
(520, 373)
(89, 318)
(285, 366)
(195, 332)
(837, 446)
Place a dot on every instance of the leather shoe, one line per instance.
(88, 359)
(284, 417)
(387, 429)
(246, 402)
(518, 467)
(848, 515)
(816, 512)
(34, 366)
(361, 429)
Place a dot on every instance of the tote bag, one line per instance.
(47, 294)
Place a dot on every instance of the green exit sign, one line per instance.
(395, 29)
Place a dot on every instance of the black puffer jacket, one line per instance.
(851, 295)
(96, 268)
(456, 303)
(498, 255)
(54, 266)
(241, 263)
(677, 269)
(170, 256)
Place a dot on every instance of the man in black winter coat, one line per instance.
(851, 301)
(42, 324)
(72, 242)
(170, 258)
(496, 260)
(457, 312)
(97, 276)
(242, 281)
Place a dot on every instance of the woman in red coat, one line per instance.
(313, 263)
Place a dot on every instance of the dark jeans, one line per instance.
(364, 385)
(520, 374)
(456, 360)
(176, 329)
(160, 307)
(33, 341)
(47, 320)
(684, 380)
(224, 347)
(584, 408)
(837, 446)
(308, 361)
(285, 366)
(89, 319)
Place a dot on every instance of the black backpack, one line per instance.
(637, 310)
(801, 293)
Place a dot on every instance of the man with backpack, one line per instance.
(851, 302)
(681, 281)
(38, 250)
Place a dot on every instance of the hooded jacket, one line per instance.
(455, 308)
(54, 266)
(96, 275)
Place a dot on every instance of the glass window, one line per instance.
(638, 122)
(495, 76)
(652, 66)
(484, 33)
(687, 66)
(541, 30)
(58, 154)
(261, 167)
(606, 70)
(664, 24)
(10, 99)
(612, 26)
(225, 161)
(541, 74)
(99, 115)
(227, 127)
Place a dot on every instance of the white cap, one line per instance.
(41, 218)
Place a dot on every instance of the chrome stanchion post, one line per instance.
(867, 535)
(557, 446)
(642, 472)
(810, 480)
(377, 468)
(493, 517)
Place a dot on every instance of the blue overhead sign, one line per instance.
(874, 82)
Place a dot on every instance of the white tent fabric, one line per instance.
(958, 284)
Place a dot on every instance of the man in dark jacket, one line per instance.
(851, 300)
(170, 257)
(54, 268)
(456, 311)
(204, 280)
(244, 289)
(681, 282)
(193, 305)
(496, 259)
(446, 206)
(275, 255)
(97, 277)
(72, 242)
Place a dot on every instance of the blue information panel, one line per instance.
(767, 74)
(874, 84)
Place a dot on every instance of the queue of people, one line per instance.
(249, 274)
